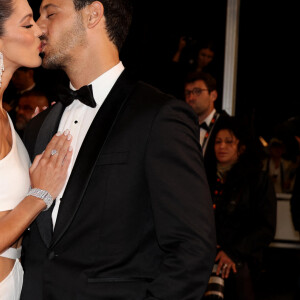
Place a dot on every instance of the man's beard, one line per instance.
(21, 122)
(59, 57)
(52, 61)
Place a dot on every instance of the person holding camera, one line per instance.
(245, 209)
(204, 55)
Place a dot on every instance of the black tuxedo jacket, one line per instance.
(136, 219)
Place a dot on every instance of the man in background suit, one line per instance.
(200, 92)
(135, 219)
(22, 81)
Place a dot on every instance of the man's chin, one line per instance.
(49, 64)
(20, 125)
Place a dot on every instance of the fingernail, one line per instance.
(69, 137)
(58, 133)
(70, 148)
(36, 109)
(66, 132)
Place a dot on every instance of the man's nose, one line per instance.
(189, 97)
(42, 25)
(19, 110)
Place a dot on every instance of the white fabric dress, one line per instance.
(14, 185)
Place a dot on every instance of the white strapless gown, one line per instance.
(14, 185)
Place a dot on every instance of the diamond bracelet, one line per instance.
(44, 195)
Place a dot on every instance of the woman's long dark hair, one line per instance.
(6, 8)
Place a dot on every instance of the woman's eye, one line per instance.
(28, 26)
(50, 15)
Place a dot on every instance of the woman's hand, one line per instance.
(38, 110)
(225, 264)
(49, 169)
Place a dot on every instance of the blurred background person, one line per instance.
(200, 92)
(295, 200)
(27, 104)
(21, 82)
(200, 57)
(245, 208)
(281, 170)
(295, 211)
(189, 57)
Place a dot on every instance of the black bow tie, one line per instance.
(85, 95)
(204, 126)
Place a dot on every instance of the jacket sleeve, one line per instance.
(261, 231)
(181, 203)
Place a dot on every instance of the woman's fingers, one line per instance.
(49, 170)
(226, 270)
(234, 268)
(36, 112)
(60, 148)
(220, 265)
(51, 146)
(63, 149)
(35, 162)
(56, 143)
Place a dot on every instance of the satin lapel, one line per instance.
(89, 152)
(48, 129)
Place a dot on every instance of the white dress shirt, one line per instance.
(202, 130)
(78, 117)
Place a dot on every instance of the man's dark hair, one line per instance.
(35, 93)
(209, 80)
(6, 9)
(118, 15)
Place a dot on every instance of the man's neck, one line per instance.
(202, 118)
(85, 70)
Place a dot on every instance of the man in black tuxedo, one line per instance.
(200, 92)
(135, 219)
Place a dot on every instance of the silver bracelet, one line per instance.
(44, 195)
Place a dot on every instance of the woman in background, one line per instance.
(245, 209)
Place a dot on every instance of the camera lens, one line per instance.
(215, 287)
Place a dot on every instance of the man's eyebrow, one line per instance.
(49, 5)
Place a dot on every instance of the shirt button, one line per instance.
(51, 255)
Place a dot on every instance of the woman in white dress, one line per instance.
(24, 192)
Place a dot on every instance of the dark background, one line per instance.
(265, 93)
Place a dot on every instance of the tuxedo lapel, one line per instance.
(48, 129)
(89, 152)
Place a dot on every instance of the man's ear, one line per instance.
(94, 13)
(214, 95)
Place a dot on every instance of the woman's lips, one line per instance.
(222, 153)
(42, 46)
